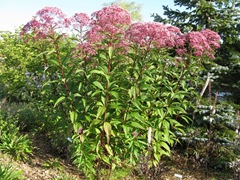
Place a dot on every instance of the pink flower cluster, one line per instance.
(84, 50)
(107, 23)
(46, 21)
(153, 34)
(111, 26)
(157, 35)
(79, 21)
(107, 26)
(200, 43)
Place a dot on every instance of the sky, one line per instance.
(15, 13)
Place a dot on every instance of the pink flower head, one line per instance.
(179, 59)
(107, 23)
(45, 22)
(198, 42)
(202, 43)
(113, 15)
(212, 37)
(84, 51)
(79, 20)
(153, 34)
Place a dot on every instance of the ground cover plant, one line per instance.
(109, 92)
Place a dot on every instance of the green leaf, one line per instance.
(84, 102)
(100, 111)
(133, 92)
(98, 84)
(165, 146)
(107, 128)
(77, 95)
(73, 116)
(54, 62)
(59, 100)
(114, 105)
(109, 149)
(100, 73)
(97, 147)
(105, 159)
(110, 52)
(103, 56)
(166, 124)
(50, 82)
(137, 116)
(96, 93)
(157, 156)
(135, 103)
(126, 130)
(114, 94)
(137, 125)
(103, 99)
(76, 126)
(45, 52)
(80, 86)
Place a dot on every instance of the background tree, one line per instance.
(132, 7)
(215, 118)
(222, 17)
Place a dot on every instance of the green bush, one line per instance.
(8, 173)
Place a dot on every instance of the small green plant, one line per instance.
(19, 146)
(53, 163)
(27, 119)
(9, 173)
(11, 141)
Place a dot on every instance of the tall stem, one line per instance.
(106, 101)
(107, 89)
(62, 71)
(61, 66)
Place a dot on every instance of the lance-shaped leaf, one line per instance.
(73, 116)
(98, 84)
(109, 150)
(59, 100)
(110, 52)
(100, 111)
(107, 128)
(137, 125)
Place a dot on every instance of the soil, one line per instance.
(44, 165)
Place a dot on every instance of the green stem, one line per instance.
(106, 101)
(163, 75)
(107, 89)
(62, 72)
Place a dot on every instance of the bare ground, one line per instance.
(43, 165)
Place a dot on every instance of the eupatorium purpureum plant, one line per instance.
(125, 86)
